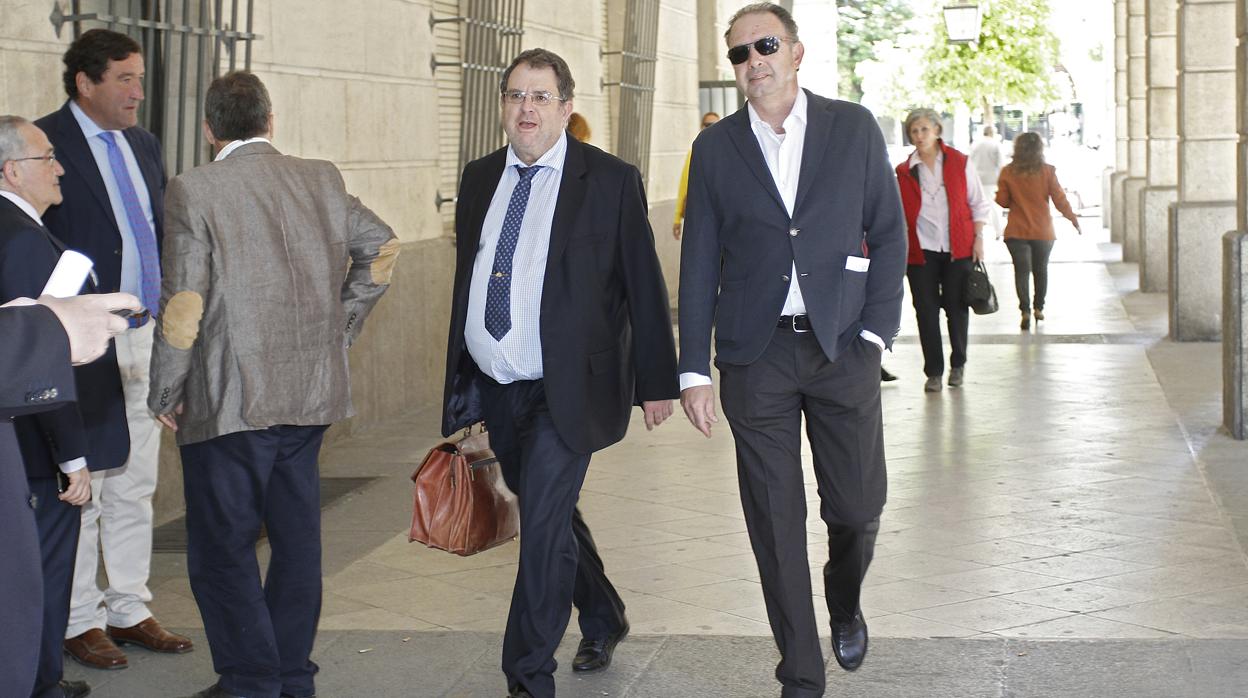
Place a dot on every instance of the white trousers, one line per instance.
(117, 522)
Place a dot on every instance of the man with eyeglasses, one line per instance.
(113, 211)
(53, 444)
(559, 326)
(794, 252)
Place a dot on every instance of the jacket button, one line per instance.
(784, 277)
(793, 232)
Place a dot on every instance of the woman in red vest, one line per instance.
(945, 213)
(1026, 186)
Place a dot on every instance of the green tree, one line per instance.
(1011, 63)
(860, 25)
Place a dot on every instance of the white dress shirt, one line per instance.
(783, 154)
(518, 355)
(76, 464)
(932, 227)
(131, 266)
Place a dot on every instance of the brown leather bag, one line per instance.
(461, 503)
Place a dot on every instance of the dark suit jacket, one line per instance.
(606, 327)
(85, 222)
(28, 253)
(34, 376)
(739, 243)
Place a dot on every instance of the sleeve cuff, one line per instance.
(693, 380)
(73, 466)
(873, 338)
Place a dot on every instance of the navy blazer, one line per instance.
(34, 376)
(606, 328)
(84, 221)
(28, 253)
(740, 244)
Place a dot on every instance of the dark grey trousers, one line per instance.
(764, 403)
(1031, 258)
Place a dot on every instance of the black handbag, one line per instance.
(978, 292)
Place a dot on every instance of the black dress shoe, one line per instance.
(595, 655)
(518, 692)
(214, 691)
(73, 689)
(849, 642)
(886, 376)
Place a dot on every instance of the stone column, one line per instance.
(1161, 188)
(1117, 209)
(1235, 257)
(1137, 127)
(1207, 155)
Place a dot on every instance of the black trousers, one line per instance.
(765, 402)
(260, 635)
(559, 564)
(58, 524)
(935, 285)
(1031, 258)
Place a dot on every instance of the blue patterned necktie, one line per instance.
(144, 238)
(498, 298)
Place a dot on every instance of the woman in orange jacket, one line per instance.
(1025, 187)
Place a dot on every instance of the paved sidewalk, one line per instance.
(1069, 522)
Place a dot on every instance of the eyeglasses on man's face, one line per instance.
(47, 159)
(539, 99)
(765, 47)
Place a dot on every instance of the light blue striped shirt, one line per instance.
(519, 355)
(131, 270)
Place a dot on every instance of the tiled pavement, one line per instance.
(1068, 522)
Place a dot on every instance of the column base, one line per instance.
(1115, 212)
(1131, 229)
(1195, 292)
(1155, 237)
(1234, 332)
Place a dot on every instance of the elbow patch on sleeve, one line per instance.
(383, 266)
(180, 321)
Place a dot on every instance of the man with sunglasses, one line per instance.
(559, 326)
(794, 251)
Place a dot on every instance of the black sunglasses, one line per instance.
(765, 47)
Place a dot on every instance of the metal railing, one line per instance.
(185, 45)
(638, 54)
(490, 36)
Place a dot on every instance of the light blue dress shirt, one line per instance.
(518, 356)
(131, 271)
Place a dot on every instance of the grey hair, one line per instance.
(923, 113)
(12, 142)
(785, 17)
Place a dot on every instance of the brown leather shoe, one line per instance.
(94, 649)
(149, 634)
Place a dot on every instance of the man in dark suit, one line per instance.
(112, 212)
(35, 377)
(53, 443)
(794, 251)
(559, 325)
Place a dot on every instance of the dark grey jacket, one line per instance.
(740, 244)
(270, 268)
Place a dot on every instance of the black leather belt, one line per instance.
(797, 323)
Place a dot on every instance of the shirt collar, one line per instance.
(235, 145)
(798, 112)
(89, 128)
(915, 159)
(22, 204)
(552, 158)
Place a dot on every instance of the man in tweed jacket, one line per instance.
(270, 268)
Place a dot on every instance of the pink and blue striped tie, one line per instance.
(144, 238)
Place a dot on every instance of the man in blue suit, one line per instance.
(53, 444)
(113, 190)
(794, 250)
